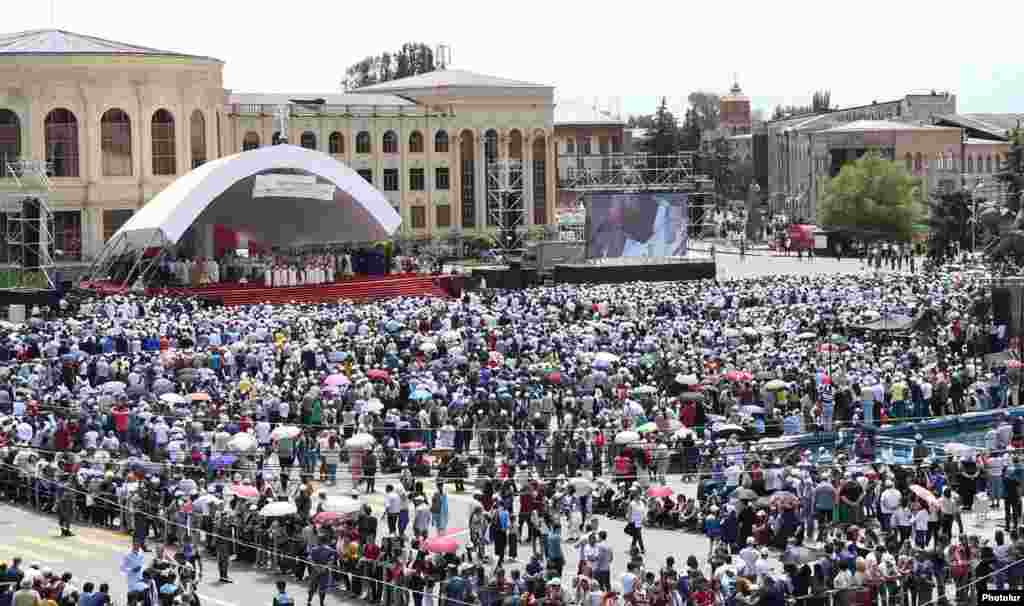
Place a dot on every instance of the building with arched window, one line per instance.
(117, 132)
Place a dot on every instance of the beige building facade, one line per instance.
(119, 122)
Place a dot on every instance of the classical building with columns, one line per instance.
(119, 122)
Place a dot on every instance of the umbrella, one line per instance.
(745, 494)
(360, 440)
(627, 437)
(222, 460)
(838, 339)
(337, 380)
(738, 375)
(583, 486)
(783, 499)
(421, 394)
(340, 505)
(692, 396)
(554, 377)
(327, 517)
(659, 491)
(807, 336)
(686, 379)
(207, 499)
(647, 428)
(242, 442)
(411, 446)
(378, 374)
(199, 397)
(245, 491)
(278, 509)
(375, 405)
(113, 387)
(173, 398)
(285, 432)
(682, 433)
(751, 410)
(1014, 364)
(428, 347)
(775, 385)
(646, 389)
(441, 545)
(606, 357)
(924, 494)
(723, 430)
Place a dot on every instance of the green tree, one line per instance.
(689, 136)
(644, 121)
(705, 106)
(663, 134)
(820, 101)
(949, 219)
(872, 198)
(1011, 171)
(412, 59)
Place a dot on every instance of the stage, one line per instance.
(358, 288)
(635, 269)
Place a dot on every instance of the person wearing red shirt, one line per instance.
(61, 438)
(120, 414)
(371, 553)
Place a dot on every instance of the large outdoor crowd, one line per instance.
(559, 408)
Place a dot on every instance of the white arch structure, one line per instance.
(222, 192)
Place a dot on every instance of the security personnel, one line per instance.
(65, 511)
(224, 546)
(321, 556)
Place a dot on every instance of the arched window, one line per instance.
(491, 145)
(441, 142)
(363, 142)
(918, 162)
(61, 131)
(116, 143)
(988, 164)
(163, 143)
(275, 139)
(308, 140)
(197, 128)
(390, 142)
(10, 139)
(336, 144)
(416, 142)
(251, 141)
(970, 164)
(998, 162)
(910, 162)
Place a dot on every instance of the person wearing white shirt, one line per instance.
(392, 506)
(889, 502)
(636, 514)
(903, 520)
(263, 433)
(921, 528)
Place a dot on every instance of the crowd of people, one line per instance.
(206, 427)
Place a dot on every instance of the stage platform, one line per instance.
(358, 288)
(629, 269)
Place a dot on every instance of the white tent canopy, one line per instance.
(336, 205)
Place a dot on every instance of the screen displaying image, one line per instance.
(642, 224)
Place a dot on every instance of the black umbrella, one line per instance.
(745, 494)
(693, 396)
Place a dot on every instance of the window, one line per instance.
(540, 207)
(198, 127)
(366, 174)
(363, 142)
(116, 143)
(616, 145)
(910, 162)
(276, 138)
(390, 179)
(970, 164)
(418, 215)
(10, 139)
(163, 143)
(416, 142)
(586, 151)
(570, 146)
(988, 164)
(62, 142)
(416, 179)
(113, 220)
(251, 141)
(918, 162)
(444, 215)
(441, 177)
(67, 233)
(390, 142)
(336, 144)
(308, 140)
(602, 145)
(441, 142)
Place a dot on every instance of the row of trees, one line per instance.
(412, 59)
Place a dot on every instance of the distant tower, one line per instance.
(734, 110)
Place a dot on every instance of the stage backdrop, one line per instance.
(639, 224)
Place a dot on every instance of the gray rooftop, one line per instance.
(43, 42)
(446, 78)
(578, 113)
(882, 125)
(329, 99)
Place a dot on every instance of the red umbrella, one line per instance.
(710, 380)
(327, 517)
(378, 374)
(737, 376)
(1014, 364)
(441, 545)
(924, 494)
(245, 491)
(554, 377)
(659, 491)
(411, 445)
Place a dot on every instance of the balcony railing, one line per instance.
(258, 109)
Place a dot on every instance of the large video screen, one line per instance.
(640, 224)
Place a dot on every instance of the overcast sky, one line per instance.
(638, 51)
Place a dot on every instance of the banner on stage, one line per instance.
(291, 186)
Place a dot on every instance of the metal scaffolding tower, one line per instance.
(506, 207)
(28, 226)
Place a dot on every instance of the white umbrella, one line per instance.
(360, 440)
(285, 431)
(807, 336)
(582, 486)
(113, 387)
(375, 405)
(775, 384)
(242, 442)
(174, 398)
(731, 333)
(687, 379)
(606, 356)
(207, 499)
(627, 437)
(278, 509)
(682, 433)
(341, 505)
(428, 347)
(647, 389)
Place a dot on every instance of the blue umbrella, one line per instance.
(222, 460)
(421, 394)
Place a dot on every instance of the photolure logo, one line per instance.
(1001, 597)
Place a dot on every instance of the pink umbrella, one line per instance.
(411, 445)
(336, 380)
(329, 517)
(738, 375)
(245, 492)
(659, 491)
(378, 374)
(441, 545)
